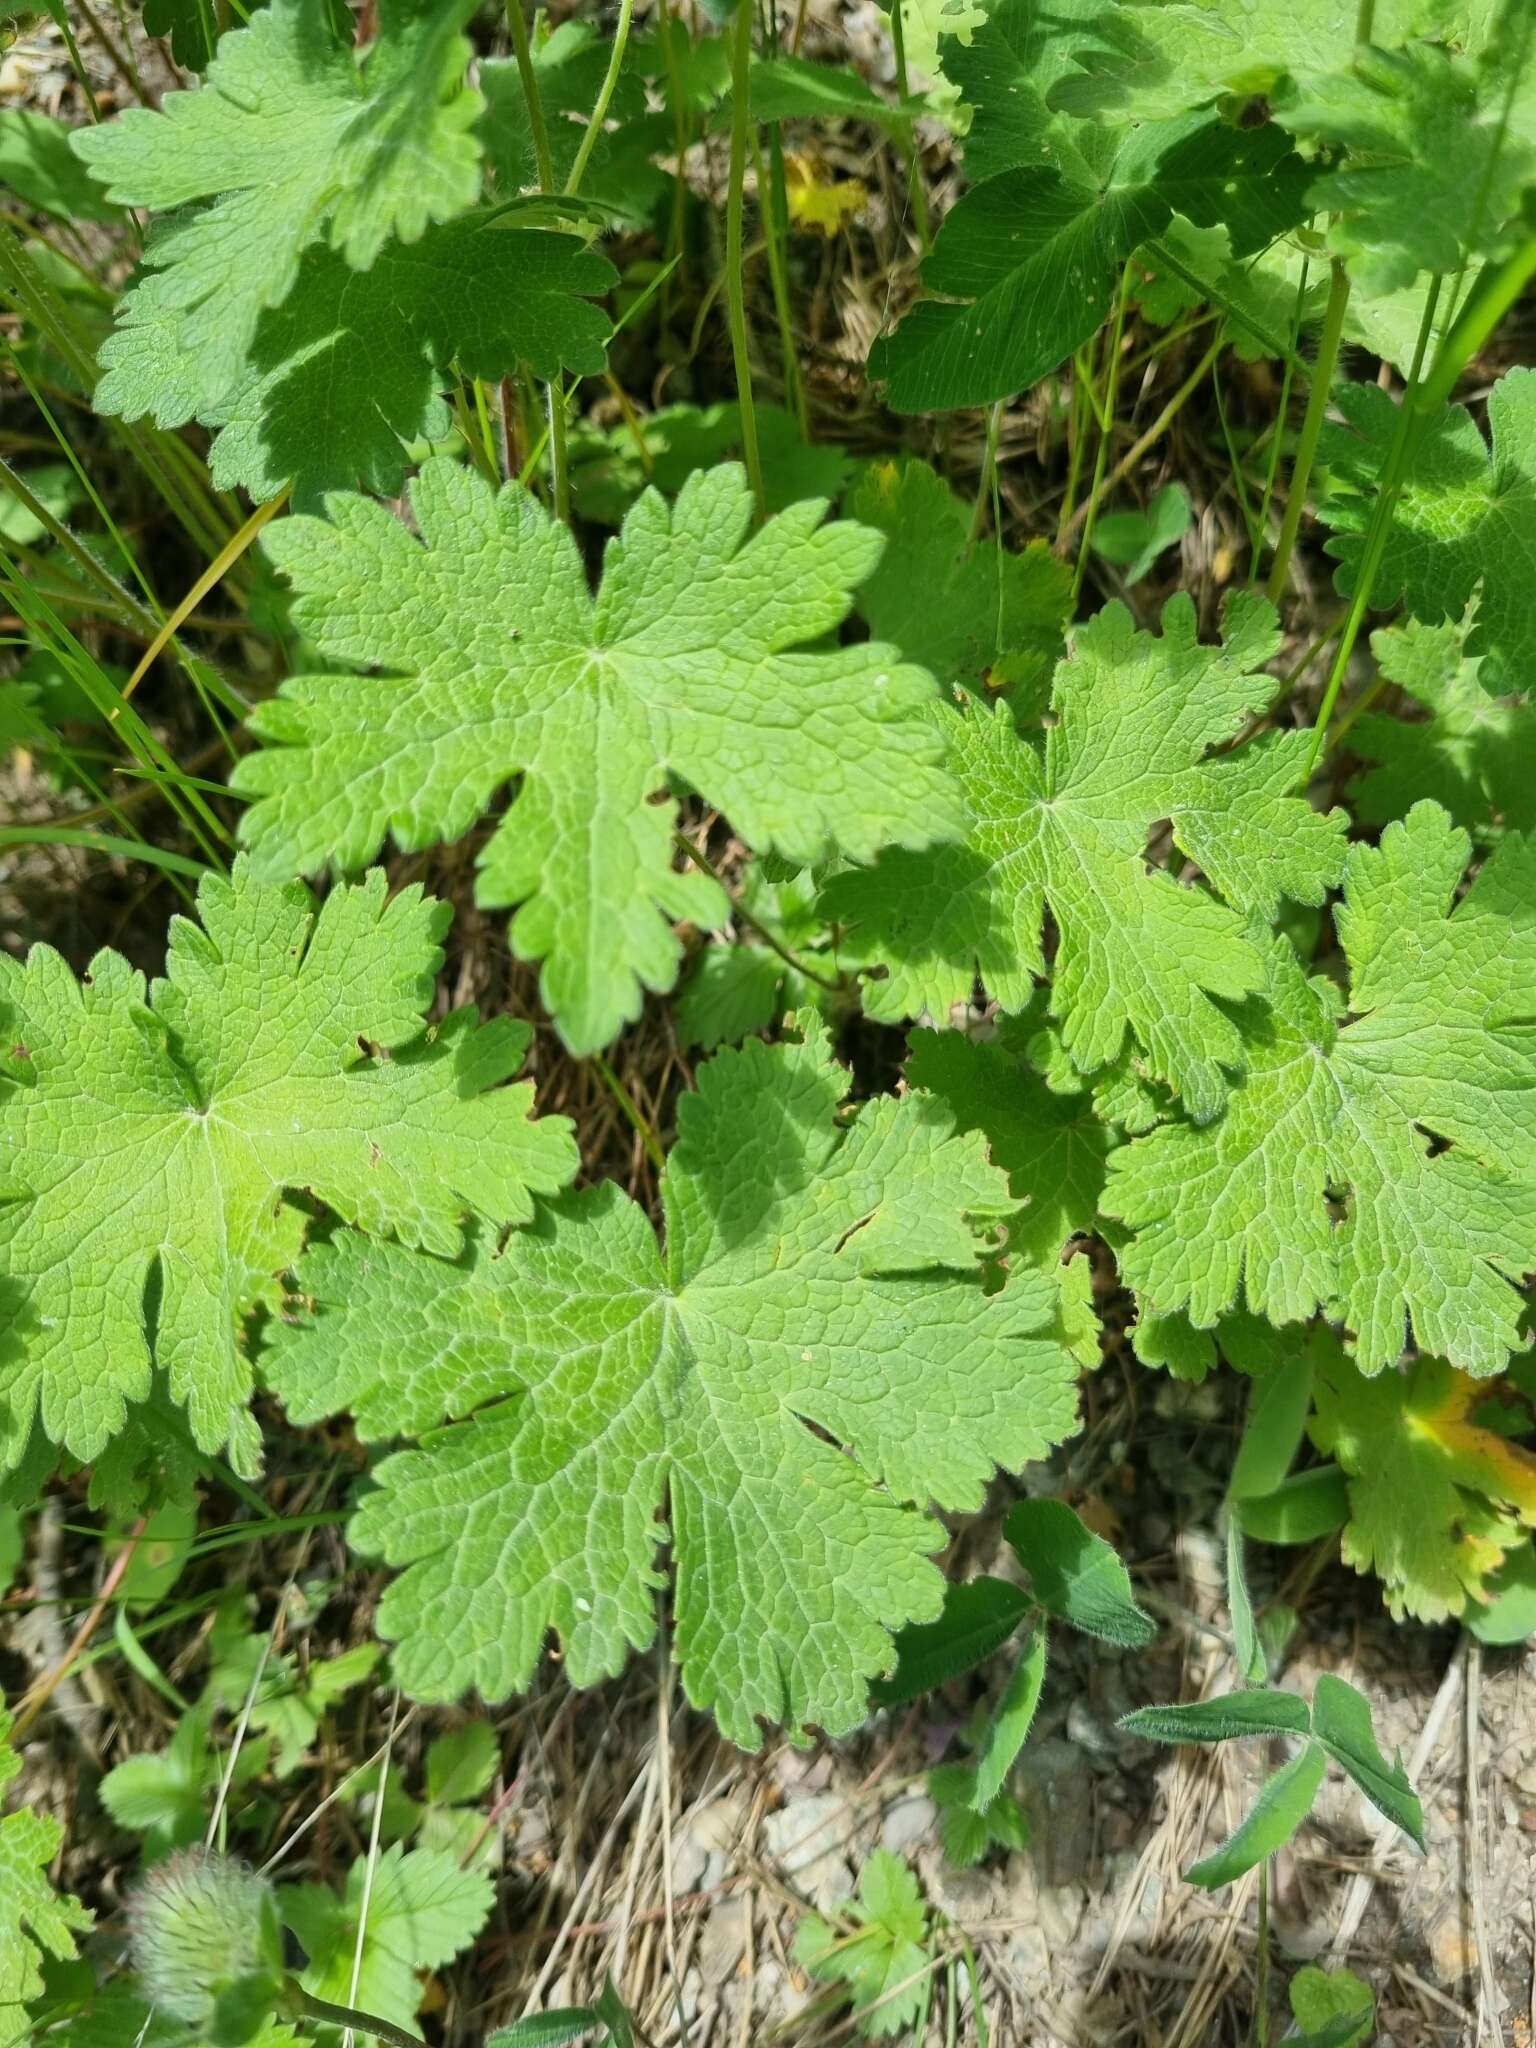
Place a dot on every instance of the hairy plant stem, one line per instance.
(917, 191)
(633, 1113)
(744, 916)
(1281, 411)
(1311, 428)
(735, 281)
(559, 463)
(1261, 1977)
(522, 50)
(604, 98)
(1106, 428)
(300, 2004)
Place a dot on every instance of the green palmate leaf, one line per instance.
(885, 1963)
(289, 142)
(1008, 1729)
(1465, 521)
(421, 1910)
(817, 1282)
(1319, 1187)
(121, 2017)
(978, 1618)
(1430, 176)
(1029, 259)
(1341, 1722)
(162, 1796)
(148, 1137)
(1424, 1475)
(1065, 828)
(1474, 754)
(1230, 1717)
(1284, 1801)
(497, 660)
(1076, 1575)
(961, 609)
(298, 409)
(35, 1920)
(1051, 1146)
(40, 169)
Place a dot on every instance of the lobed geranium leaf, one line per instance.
(413, 1910)
(1431, 174)
(149, 1137)
(819, 1286)
(1465, 521)
(497, 660)
(1432, 1237)
(287, 143)
(1064, 827)
(480, 293)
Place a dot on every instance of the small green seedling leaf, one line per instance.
(1134, 540)
(1076, 1576)
(1283, 1804)
(1341, 1721)
(978, 1618)
(885, 1962)
(1010, 1725)
(1334, 2008)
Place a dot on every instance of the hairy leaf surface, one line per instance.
(497, 660)
(819, 1286)
(1417, 1114)
(149, 1136)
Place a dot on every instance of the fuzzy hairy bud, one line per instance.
(206, 1943)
